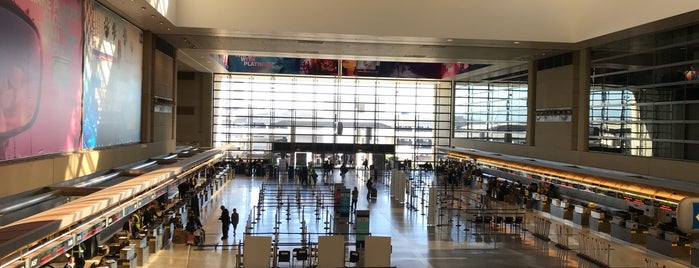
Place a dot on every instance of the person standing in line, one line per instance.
(355, 196)
(234, 220)
(365, 164)
(225, 219)
(71, 262)
(283, 166)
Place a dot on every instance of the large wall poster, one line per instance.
(112, 80)
(40, 66)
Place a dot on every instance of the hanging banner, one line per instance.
(278, 65)
(406, 69)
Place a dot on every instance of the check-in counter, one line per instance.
(581, 215)
(560, 209)
(127, 257)
(667, 243)
(598, 222)
(168, 229)
(140, 246)
(627, 230)
(694, 255)
(540, 203)
(155, 238)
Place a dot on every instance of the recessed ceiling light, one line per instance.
(143, 8)
(168, 28)
(161, 23)
(516, 42)
(449, 40)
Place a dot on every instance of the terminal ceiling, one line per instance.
(502, 33)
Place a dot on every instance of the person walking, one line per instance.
(234, 220)
(225, 219)
(355, 196)
(369, 188)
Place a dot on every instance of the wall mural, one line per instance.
(40, 66)
(112, 79)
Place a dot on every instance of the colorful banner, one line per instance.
(112, 79)
(40, 66)
(277, 65)
(405, 69)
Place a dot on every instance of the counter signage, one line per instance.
(49, 254)
(131, 208)
(115, 217)
(161, 191)
(89, 232)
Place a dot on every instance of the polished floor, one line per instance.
(454, 242)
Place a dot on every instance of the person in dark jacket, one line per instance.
(225, 219)
(234, 220)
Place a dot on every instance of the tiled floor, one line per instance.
(414, 243)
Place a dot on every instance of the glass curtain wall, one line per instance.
(495, 112)
(254, 111)
(644, 96)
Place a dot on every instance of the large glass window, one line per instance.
(644, 98)
(254, 111)
(495, 112)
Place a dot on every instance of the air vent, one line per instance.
(310, 42)
(639, 177)
(306, 52)
(433, 46)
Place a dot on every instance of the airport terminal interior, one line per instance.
(174, 133)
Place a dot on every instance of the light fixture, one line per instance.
(143, 8)
(516, 42)
(449, 40)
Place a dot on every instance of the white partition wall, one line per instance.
(256, 251)
(377, 251)
(331, 251)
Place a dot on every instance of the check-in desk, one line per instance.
(667, 243)
(540, 203)
(127, 257)
(581, 215)
(627, 230)
(155, 238)
(694, 256)
(559, 209)
(140, 246)
(109, 263)
(168, 229)
(598, 222)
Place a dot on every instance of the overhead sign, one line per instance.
(688, 215)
